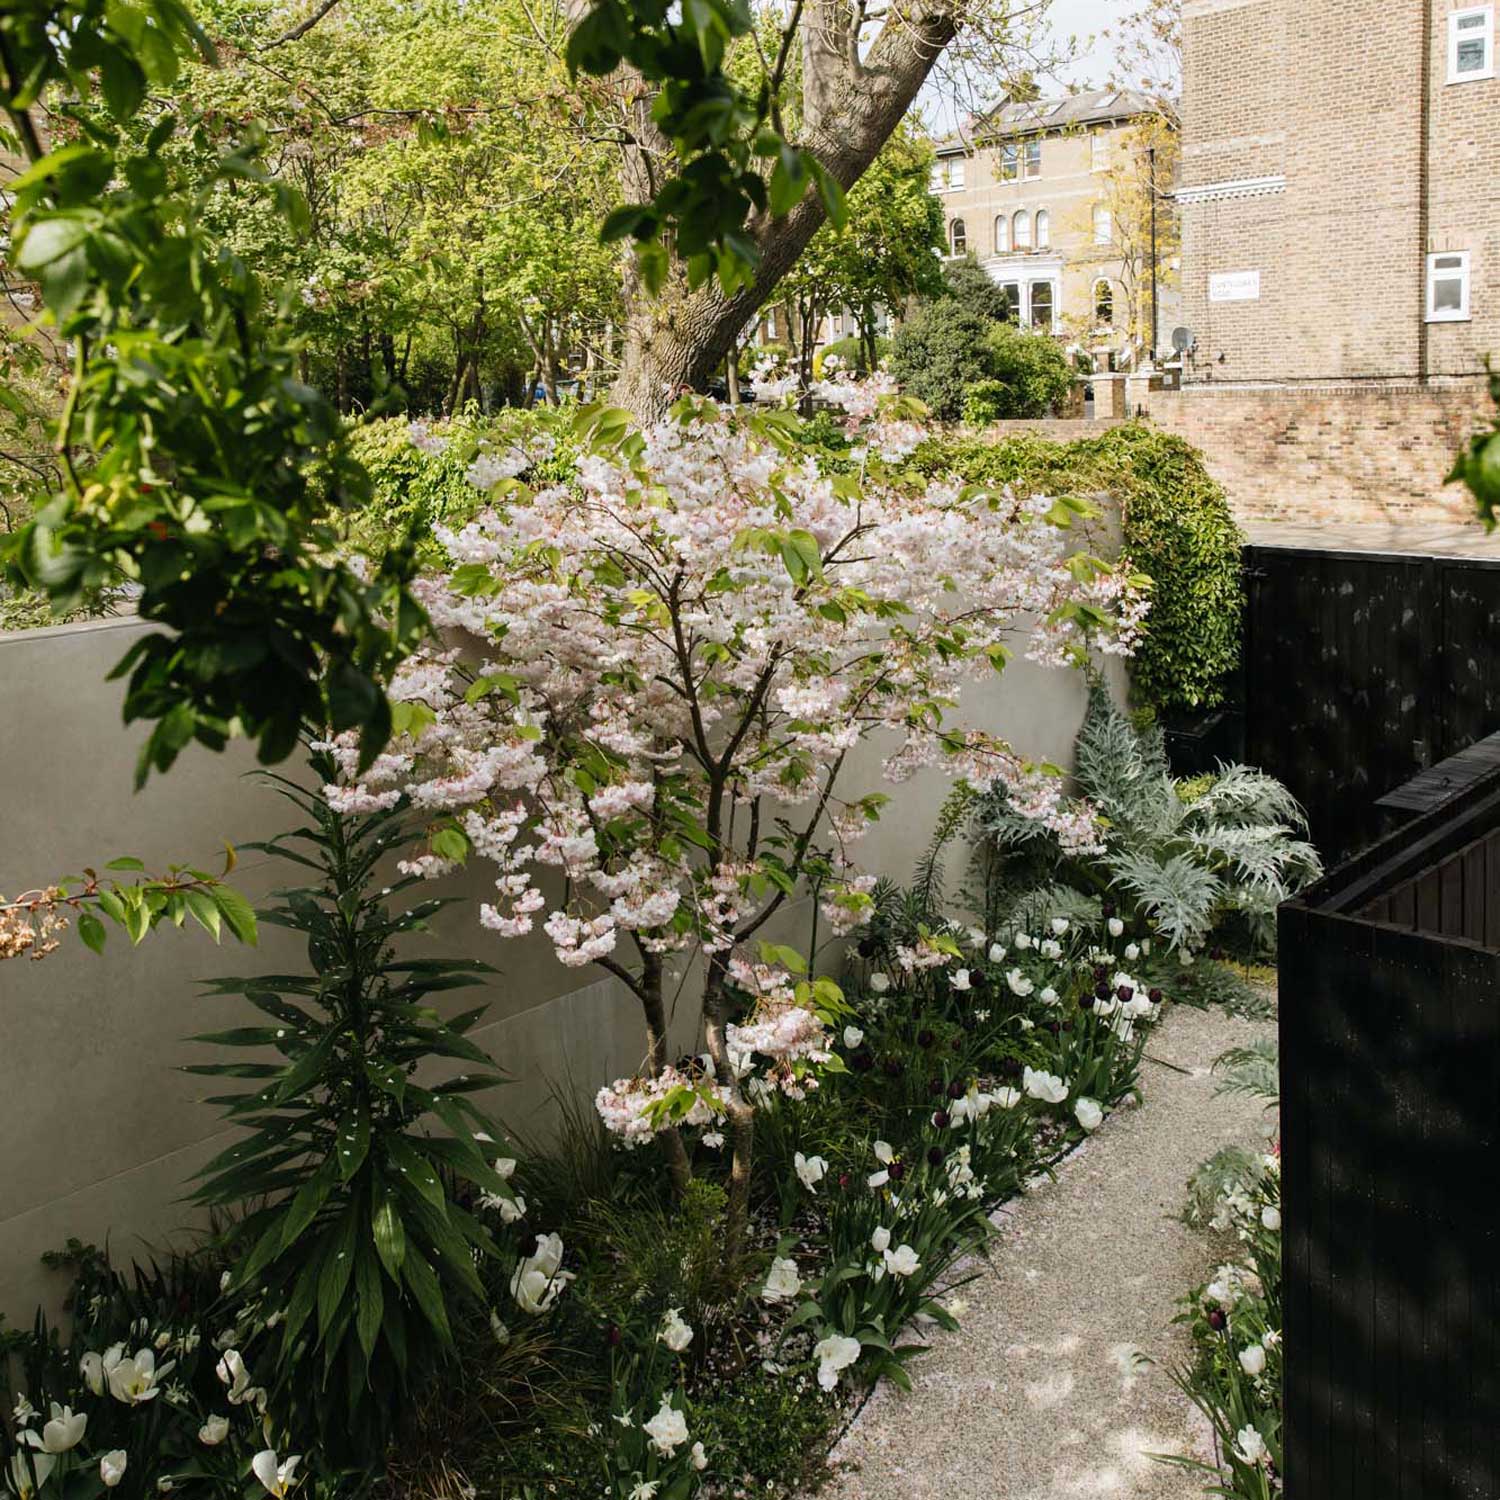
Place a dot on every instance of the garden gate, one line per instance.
(1390, 1118)
(1361, 669)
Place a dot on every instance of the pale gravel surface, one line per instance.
(1039, 1396)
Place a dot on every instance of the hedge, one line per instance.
(1177, 529)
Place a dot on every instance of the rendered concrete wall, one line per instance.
(99, 1131)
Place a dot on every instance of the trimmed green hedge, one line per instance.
(1177, 528)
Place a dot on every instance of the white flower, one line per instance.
(233, 1372)
(902, 1261)
(959, 979)
(880, 983)
(1047, 1087)
(883, 1152)
(24, 1411)
(811, 1170)
(112, 1467)
(880, 1239)
(133, 1379)
(836, 1352)
(1252, 1359)
(64, 1431)
(1089, 1114)
(1132, 950)
(1116, 927)
(24, 1466)
(224, 1280)
(674, 1332)
(667, 1429)
(498, 1329)
(853, 1036)
(713, 1139)
(95, 1368)
(277, 1478)
(697, 1457)
(878, 1179)
(213, 1431)
(1250, 1446)
(1270, 1217)
(1059, 926)
(783, 1281)
(538, 1278)
(997, 952)
(1048, 996)
(1023, 941)
(1051, 948)
(1005, 1098)
(1019, 983)
(645, 1489)
(505, 1167)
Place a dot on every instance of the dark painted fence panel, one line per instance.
(1390, 1044)
(1361, 669)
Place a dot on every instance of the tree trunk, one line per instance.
(741, 1115)
(851, 106)
(653, 1003)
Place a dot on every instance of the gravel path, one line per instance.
(1040, 1397)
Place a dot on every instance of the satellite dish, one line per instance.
(1183, 340)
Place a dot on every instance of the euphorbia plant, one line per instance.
(656, 678)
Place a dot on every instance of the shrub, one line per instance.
(1030, 376)
(1178, 529)
(939, 352)
(969, 284)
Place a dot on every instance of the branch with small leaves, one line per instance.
(30, 924)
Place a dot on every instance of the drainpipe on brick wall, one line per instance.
(1424, 176)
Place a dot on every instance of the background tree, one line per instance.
(968, 283)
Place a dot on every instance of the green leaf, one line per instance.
(238, 912)
(311, 1196)
(389, 1233)
(422, 1280)
(370, 1300)
(91, 930)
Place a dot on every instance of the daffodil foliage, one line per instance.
(351, 1247)
(658, 676)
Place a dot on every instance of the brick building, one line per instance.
(1047, 195)
(1340, 203)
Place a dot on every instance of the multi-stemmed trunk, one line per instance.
(680, 338)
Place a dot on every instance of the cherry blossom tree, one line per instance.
(657, 677)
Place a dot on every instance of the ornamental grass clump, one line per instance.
(655, 678)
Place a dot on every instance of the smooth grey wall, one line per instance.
(99, 1130)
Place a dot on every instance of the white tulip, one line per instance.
(1252, 1359)
(1116, 927)
(1250, 1446)
(1047, 1087)
(1006, 1098)
(697, 1457)
(214, 1430)
(1048, 996)
(1090, 1116)
(1059, 925)
(959, 979)
(783, 1281)
(883, 1152)
(997, 952)
(836, 1352)
(902, 1261)
(29, 1472)
(667, 1429)
(674, 1332)
(275, 1477)
(878, 1179)
(1132, 950)
(1270, 1217)
(539, 1280)
(880, 983)
(234, 1373)
(853, 1036)
(133, 1380)
(64, 1431)
(811, 1170)
(1019, 983)
(112, 1467)
(505, 1167)
(880, 1239)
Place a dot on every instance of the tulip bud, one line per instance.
(1217, 1320)
(1154, 996)
(897, 1170)
(941, 1119)
(613, 1335)
(935, 1155)
(925, 1038)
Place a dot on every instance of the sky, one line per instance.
(1082, 19)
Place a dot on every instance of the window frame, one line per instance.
(1002, 234)
(1052, 300)
(1102, 215)
(1099, 151)
(958, 237)
(1041, 230)
(1435, 274)
(1456, 37)
(1019, 220)
(1109, 294)
(1031, 157)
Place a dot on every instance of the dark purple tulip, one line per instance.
(1051, 1026)
(1010, 1067)
(925, 1038)
(1217, 954)
(1217, 1320)
(934, 1085)
(1108, 909)
(956, 1090)
(865, 947)
(1124, 992)
(941, 1119)
(935, 1155)
(613, 1335)
(1154, 996)
(845, 1180)
(893, 1067)
(1100, 973)
(898, 1171)
(1101, 991)
(1086, 1001)
(862, 1061)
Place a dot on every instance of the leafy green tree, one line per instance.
(969, 283)
(1028, 376)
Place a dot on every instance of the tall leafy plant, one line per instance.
(353, 1243)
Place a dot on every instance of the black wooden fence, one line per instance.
(1361, 669)
(1390, 1053)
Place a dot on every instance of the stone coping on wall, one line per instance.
(1416, 538)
